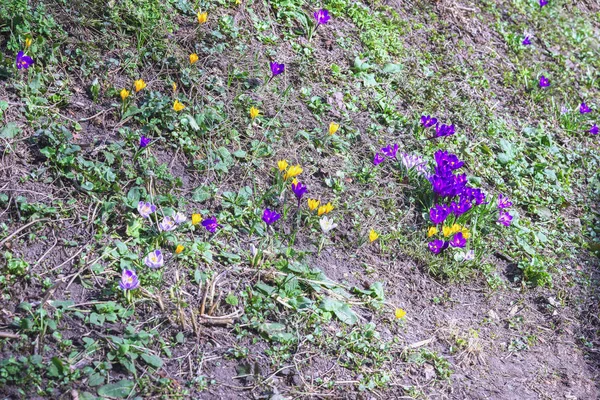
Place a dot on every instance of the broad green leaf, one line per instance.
(119, 390)
(346, 315)
(200, 194)
(9, 131)
(152, 360)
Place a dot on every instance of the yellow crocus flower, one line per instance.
(466, 233)
(254, 112)
(447, 231)
(432, 231)
(333, 128)
(294, 171)
(174, 87)
(373, 235)
(178, 106)
(28, 42)
(202, 17)
(400, 313)
(179, 249)
(282, 165)
(196, 219)
(139, 85)
(313, 204)
(193, 58)
(456, 228)
(124, 94)
(326, 209)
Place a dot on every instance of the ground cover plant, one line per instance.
(289, 199)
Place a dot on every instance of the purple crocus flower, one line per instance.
(144, 141)
(504, 218)
(145, 209)
(461, 207)
(584, 109)
(179, 218)
(23, 61)
(270, 216)
(526, 41)
(445, 160)
(444, 130)
(390, 150)
(458, 240)
(154, 259)
(299, 190)
(322, 16)
(378, 159)
(437, 246)
(438, 213)
(167, 224)
(210, 224)
(594, 129)
(543, 3)
(277, 68)
(474, 194)
(503, 202)
(544, 82)
(129, 280)
(427, 121)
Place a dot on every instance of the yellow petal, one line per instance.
(313, 204)
(282, 165)
(193, 58)
(447, 231)
(432, 231)
(373, 235)
(28, 42)
(124, 94)
(254, 112)
(174, 87)
(294, 171)
(466, 233)
(196, 219)
(179, 249)
(178, 106)
(400, 313)
(202, 17)
(139, 85)
(333, 128)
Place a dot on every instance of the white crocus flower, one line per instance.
(327, 224)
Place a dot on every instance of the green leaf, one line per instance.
(133, 196)
(392, 68)
(95, 379)
(88, 396)
(369, 80)
(134, 227)
(119, 390)
(201, 194)
(192, 122)
(9, 131)
(152, 360)
(264, 288)
(239, 154)
(346, 315)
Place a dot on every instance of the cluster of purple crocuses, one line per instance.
(453, 188)
(439, 245)
(441, 130)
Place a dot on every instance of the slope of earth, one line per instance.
(148, 148)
